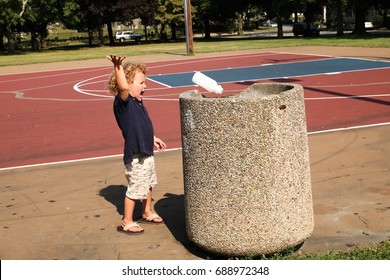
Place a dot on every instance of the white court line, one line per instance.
(49, 76)
(160, 83)
(347, 85)
(77, 88)
(208, 59)
(347, 128)
(74, 160)
(347, 97)
(176, 149)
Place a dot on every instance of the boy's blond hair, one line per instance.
(130, 70)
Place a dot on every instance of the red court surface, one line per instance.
(51, 116)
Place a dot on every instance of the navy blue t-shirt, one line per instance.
(136, 127)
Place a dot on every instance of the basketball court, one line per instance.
(65, 115)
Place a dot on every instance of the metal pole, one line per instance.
(188, 26)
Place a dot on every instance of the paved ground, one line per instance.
(70, 211)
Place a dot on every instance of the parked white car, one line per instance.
(369, 25)
(122, 36)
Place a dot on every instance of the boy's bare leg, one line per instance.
(128, 213)
(148, 208)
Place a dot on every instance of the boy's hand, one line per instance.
(159, 144)
(116, 60)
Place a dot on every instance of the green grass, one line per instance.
(380, 251)
(76, 50)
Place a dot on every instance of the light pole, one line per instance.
(188, 24)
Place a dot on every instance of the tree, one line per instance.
(89, 15)
(203, 15)
(38, 14)
(11, 12)
(297, 7)
(126, 11)
(383, 7)
(360, 8)
(339, 9)
(279, 10)
(170, 12)
(147, 13)
(312, 10)
(92, 15)
(221, 15)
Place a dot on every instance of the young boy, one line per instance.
(128, 84)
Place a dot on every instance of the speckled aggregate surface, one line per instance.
(246, 170)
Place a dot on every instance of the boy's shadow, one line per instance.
(116, 194)
(171, 208)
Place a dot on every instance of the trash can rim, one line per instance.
(250, 93)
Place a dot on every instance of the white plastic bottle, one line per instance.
(206, 82)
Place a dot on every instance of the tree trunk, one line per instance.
(280, 26)
(385, 20)
(340, 28)
(207, 33)
(360, 16)
(110, 33)
(240, 23)
(296, 19)
(163, 33)
(11, 40)
(173, 31)
(90, 37)
(2, 47)
(43, 36)
(100, 35)
(34, 41)
(99, 29)
(146, 32)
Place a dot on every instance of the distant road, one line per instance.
(287, 32)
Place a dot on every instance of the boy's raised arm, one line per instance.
(123, 87)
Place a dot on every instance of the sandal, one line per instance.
(151, 219)
(126, 229)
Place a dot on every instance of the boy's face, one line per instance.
(138, 86)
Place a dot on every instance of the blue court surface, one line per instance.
(272, 71)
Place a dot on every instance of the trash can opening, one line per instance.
(261, 90)
(255, 91)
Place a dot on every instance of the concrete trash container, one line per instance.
(247, 187)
